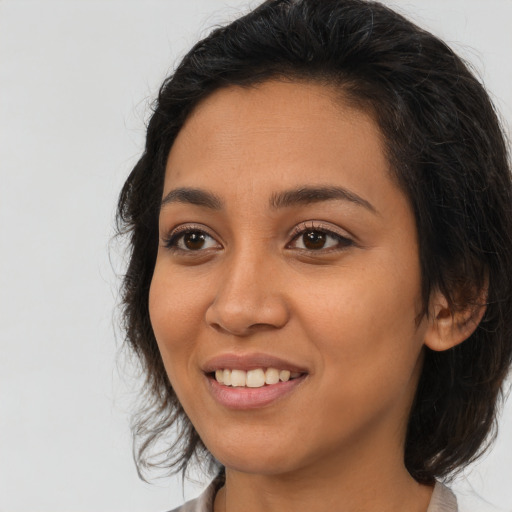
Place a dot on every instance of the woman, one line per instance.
(319, 287)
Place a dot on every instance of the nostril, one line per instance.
(241, 330)
(216, 327)
(260, 326)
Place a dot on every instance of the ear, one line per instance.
(448, 327)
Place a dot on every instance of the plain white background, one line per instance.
(76, 81)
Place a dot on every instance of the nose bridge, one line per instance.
(248, 296)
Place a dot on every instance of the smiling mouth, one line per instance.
(255, 378)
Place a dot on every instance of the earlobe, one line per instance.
(447, 327)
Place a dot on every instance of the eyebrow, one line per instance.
(194, 196)
(309, 195)
(298, 196)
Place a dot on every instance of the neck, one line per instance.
(378, 484)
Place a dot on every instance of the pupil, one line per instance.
(194, 240)
(313, 239)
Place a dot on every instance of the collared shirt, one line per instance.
(443, 500)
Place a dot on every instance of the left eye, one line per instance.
(193, 240)
(315, 240)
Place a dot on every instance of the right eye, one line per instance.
(190, 240)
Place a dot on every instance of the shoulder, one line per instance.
(204, 502)
(443, 500)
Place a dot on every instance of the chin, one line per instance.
(255, 458)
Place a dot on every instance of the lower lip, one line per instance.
(251, 398)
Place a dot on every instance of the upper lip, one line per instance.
(231, 361)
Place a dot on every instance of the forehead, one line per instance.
(278, 135)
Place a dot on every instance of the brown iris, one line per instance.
(313, 240)
(194, 240)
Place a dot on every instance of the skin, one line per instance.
(346, 312)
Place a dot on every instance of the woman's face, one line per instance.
(285, 248)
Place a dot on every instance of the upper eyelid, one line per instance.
(313, 225)
(184, 227)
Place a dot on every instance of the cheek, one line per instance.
(367, 319)
(369, 349)
(177, 299)
(174, 311)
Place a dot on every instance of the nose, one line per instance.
(249, 298)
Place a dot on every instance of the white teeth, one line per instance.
(284, 375)
(238, 378)
(272, 376)
(226, 377)
(256, 378)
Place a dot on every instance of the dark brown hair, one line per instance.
(449, 156)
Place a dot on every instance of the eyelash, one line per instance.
(176, 236)
(342, 242)
(173, 241)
